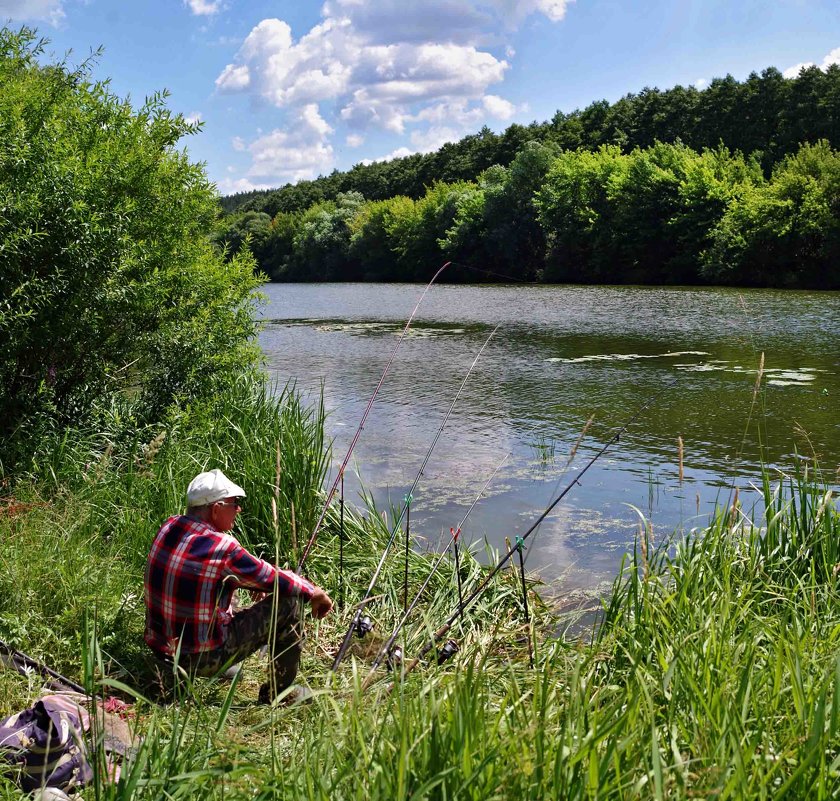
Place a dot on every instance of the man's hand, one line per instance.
(321, 603)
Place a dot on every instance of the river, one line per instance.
(561, 356)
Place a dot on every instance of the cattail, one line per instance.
(275, 501)
(510, 549)
(574, 450)
(643, 544)
(736, 505)
(680, 453)
(759, 376)
(698, 504)
(154, 446)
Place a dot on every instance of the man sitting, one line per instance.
(192, 571)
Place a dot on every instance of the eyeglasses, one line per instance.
(235, 502)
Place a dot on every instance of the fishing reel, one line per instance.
(450, 648)
(394, 659)
(364, 626)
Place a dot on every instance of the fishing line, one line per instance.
(331, 493)
(504, 560)
(397, 524)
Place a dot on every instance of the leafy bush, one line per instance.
(110, 283)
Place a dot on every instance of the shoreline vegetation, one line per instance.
(736, 184)
(132, 365)
(714, 670)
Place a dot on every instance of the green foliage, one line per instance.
(676, 186)
(786, 230)
(322, 240)
(766, 114)
(496, 228)
(110, 283)
(576, 213)
(372, 236)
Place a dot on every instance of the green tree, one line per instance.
(785, 232)
(110, 283)
(322, 240)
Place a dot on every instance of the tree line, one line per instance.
(766, 114)
(665, 214)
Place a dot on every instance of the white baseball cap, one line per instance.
(211, 487)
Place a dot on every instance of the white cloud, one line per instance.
(238, 143)
(433, 138)
(701, 83)
(831, 58)
(420, 68)
(193, 117)
(463, 21)
(51, 11)
(498, 107)
(399, 153)
(793, 72)
(203, 7)
(233, 78)
(230, 186)
(301, 151)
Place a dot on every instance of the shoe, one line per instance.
(292, 696)
(232, 672)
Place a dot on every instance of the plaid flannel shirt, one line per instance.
(191, 574)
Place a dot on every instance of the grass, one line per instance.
(715, 672)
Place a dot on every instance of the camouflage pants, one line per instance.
(272, 621)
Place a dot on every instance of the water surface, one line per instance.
(561, 356)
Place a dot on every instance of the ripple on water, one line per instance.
(625, 357)
(776, 376)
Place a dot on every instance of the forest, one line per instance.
(738, 183)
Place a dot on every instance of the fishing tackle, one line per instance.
(331, 493)
(449, 650)
(397, 524)
(363, 626)
(386, 648)
(341, 545)
(455, 534)
(394, 658)
(444, 629)
(407, 501)
(520, 542)
(23, 664)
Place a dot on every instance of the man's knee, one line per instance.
(269, 620)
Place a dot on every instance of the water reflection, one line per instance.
(563, 355)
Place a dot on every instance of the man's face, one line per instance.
(224, 514)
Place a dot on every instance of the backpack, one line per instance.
(44, 746)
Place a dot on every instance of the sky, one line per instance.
(290, 90)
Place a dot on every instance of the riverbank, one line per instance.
(715, 670)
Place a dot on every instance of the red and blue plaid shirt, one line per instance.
(191, 574)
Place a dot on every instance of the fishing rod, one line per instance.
(442, 631)
(339, 477)
(357, 616)
(23, 664)
(386, 652)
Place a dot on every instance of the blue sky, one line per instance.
(289, 90)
